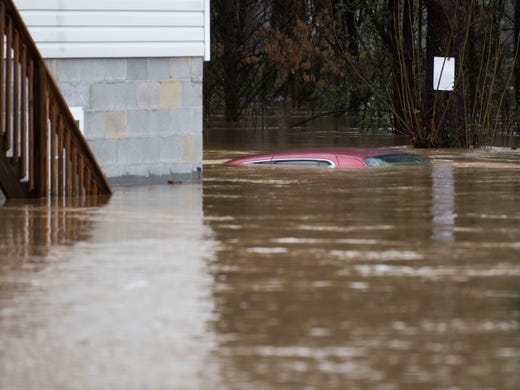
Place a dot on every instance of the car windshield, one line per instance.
(395, 159)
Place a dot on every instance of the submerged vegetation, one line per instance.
(370, 56)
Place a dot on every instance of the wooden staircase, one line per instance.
(42, 150)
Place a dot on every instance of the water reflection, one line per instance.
(443, 208)
(112, 296)
(29, 229)
(270, 278)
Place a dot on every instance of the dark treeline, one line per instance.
(372, 56)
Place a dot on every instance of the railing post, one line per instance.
(31, 157)
(2, 68)
(8, 82)
(16, 95)
(41, 134)
(23, 112)
(61, 170)
(81, 175)
(68, 165)
(74, 169)
(54, 150)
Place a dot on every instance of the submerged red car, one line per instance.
(341, 157)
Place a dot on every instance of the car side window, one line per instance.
(304, 162)
(375, 162)
(395, 159)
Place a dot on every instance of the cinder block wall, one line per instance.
(143, 116)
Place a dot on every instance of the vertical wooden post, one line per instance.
(16, 102)
(23, 113)
(88, 181)
(2, 68)
(8, 83)
(74, 169)
(54, 149)
(68, 165)
(31, 157)
(81, 179)
(41, 133)
(61, 173)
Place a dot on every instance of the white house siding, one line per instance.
(118, 28)
(135, 68)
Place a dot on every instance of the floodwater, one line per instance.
(271, 278)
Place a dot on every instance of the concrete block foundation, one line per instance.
(142, 116)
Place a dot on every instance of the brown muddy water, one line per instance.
(271, 278)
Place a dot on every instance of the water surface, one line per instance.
(271, 278)
(386, 278)
(108, 295)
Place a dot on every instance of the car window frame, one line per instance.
(321, 162)
(419, 160)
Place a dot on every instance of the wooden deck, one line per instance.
(42, 150)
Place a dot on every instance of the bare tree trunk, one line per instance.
(350, 35)
(402, 47)
(443, 115)
(230, 60)
(517, 59)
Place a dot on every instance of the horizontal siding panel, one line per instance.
(114, 5)
(122, 50)
(113, 18)
(118, 28)
(117, 34)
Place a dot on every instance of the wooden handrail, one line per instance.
(42, 151)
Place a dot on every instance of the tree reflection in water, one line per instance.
(443, 208)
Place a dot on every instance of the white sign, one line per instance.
(443, 73)
(78, 114)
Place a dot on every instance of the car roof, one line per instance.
(324, 152)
